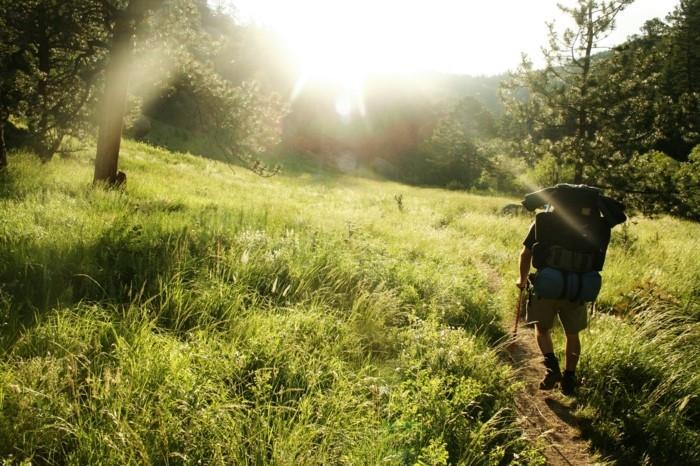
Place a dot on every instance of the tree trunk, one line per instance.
(111, 119)
(583, 134)
(113, 108)
(41, 144)
(578, 173)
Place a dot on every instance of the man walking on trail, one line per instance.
(541, 311)
(567, 245)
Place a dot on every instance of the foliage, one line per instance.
(242, 120)
(548, 171)
(645, 109)
(453, 154)
(682, 66)
(461, 152)
(53, 53)
(604, 114)
(664, 185)
(641, 384)
(680, 69)
(59, 56)
(200, 94)
(562, 103)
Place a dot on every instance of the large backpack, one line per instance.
(571, 240)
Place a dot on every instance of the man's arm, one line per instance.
(525, 260)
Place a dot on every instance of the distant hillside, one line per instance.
(483, 88)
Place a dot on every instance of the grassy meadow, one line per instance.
(209, 316)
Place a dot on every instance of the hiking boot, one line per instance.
(550, 380)
(569, 383)
(553, 374)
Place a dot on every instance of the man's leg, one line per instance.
(551, 364)
(542, 312)
(573, 350)
(574, 318)
(544, 339)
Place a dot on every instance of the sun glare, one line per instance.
(343, 105)
(341, 42)
(340, 46)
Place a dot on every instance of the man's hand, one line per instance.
(521, 284)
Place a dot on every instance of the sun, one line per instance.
(338, 46)
(342, 42)
(332, 61)
(337, 64)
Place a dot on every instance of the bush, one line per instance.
(549, 171)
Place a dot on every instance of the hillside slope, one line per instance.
(205, 314)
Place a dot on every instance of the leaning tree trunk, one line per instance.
(111, 120)
(113, 108)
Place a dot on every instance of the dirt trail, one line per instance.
(546, 415)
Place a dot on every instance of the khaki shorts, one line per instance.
(573, 316)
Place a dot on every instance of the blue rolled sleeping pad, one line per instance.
(551, 283)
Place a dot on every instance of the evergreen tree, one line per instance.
(453, 154)
(562, 105)
(52, 56)
(241, 120)
(8, 85)
(682, 70)
(634, 108)
(681, 80)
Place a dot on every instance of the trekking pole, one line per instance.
(518, 308)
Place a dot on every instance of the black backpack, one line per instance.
(575, 198)
(571, 237)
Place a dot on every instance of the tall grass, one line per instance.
(207, 315)
(640, 396)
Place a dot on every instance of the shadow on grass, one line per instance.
(121, 265)
(9, 184)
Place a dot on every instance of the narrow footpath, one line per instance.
(546, 415)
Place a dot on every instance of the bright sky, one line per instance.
(336, 37)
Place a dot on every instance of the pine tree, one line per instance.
(8, 87)
(561, 106)
(51, 55)
(682, 70)
(681, 80)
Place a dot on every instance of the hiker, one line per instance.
(567, 245)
